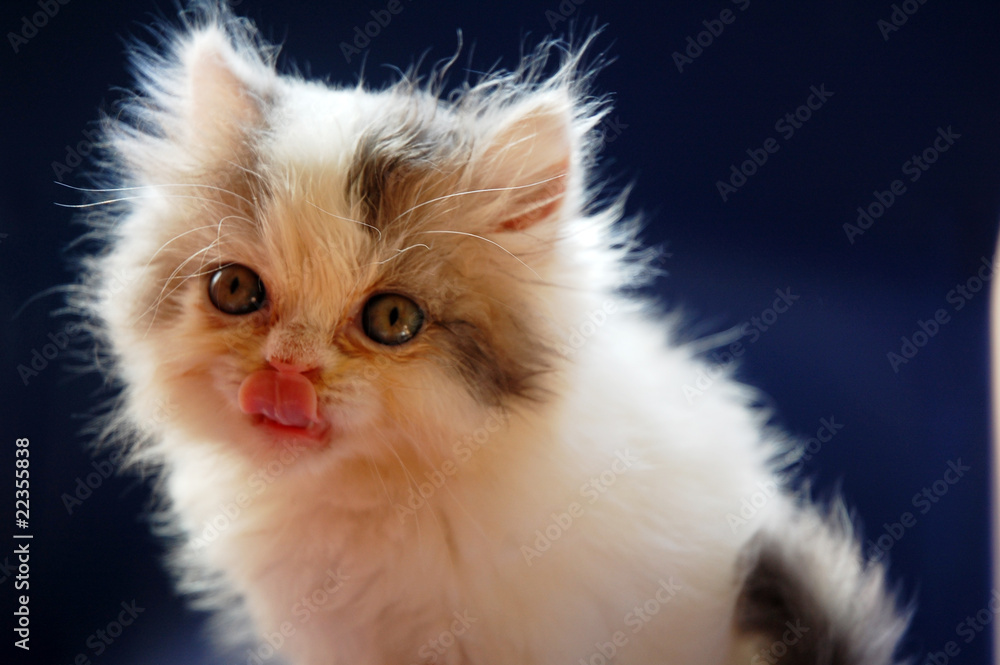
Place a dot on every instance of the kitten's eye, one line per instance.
(391, 319)
(236, 289)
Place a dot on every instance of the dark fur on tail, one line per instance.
(811, 598)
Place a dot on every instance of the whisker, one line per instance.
(199, 228)
(370, 458)
(477, 191)
(247, 170)
(472, 518)
(139, 187)
(411, 479)
(163, 295)
(430, 461)
(95, 204)
(347, 219)
(99, 203)
(473, 235)
(400, 251)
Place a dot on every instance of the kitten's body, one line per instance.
(525, 480)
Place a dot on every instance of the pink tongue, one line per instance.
(283, 397)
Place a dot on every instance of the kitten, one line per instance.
(417, 417)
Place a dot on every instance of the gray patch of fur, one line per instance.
(813, 599)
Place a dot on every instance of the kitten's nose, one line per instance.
(287, 365)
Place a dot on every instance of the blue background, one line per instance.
(673, 134)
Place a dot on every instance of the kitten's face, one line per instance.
(348, 271)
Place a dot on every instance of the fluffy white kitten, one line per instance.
(415, 418)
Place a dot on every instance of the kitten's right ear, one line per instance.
(223, 93)
(202, 101)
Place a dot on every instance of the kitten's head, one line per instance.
(362, 273)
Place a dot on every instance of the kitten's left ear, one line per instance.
(531, 154)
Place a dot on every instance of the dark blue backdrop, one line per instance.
(888, 91)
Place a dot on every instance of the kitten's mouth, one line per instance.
(315, 431)
(284, 403)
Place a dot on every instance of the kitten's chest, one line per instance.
(359, 585)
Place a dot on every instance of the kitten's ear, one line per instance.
(196, 104)
(224, 92)
(531, 152)
(217, 91)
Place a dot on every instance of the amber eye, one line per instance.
(236, 289)
(391, 319)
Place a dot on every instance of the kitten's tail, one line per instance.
(810, 597)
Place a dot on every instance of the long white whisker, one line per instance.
(347, 219)
(140, 187)
(139, 198)
(477, 191)
(473, 235)
(199, 228)
(99, 203)
(164, 294)
(400, 251)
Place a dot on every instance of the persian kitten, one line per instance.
(416, 415)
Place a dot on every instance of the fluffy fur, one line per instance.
(523, 482)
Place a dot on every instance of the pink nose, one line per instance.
(289, 366)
